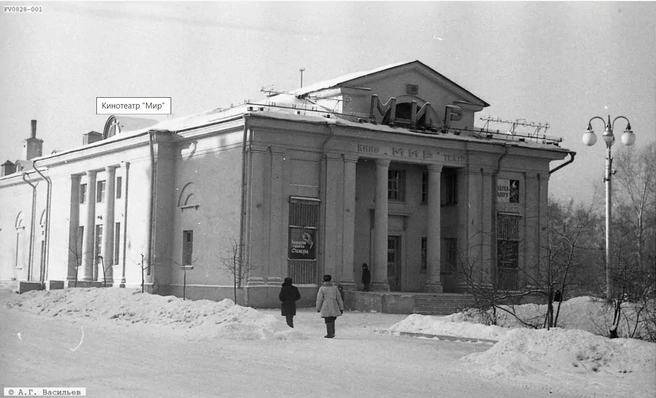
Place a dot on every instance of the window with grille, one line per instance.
(424, 248)
(187, 247)
(119, 187)
(303, 227)
(396, 185)
(424, 187)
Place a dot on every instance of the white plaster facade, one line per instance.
(320, 171)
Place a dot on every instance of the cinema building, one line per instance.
(384, 167)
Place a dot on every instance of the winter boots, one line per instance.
(330, 328)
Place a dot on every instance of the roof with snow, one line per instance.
(351, 77)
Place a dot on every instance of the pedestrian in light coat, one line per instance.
(329, 304)
(289, 295)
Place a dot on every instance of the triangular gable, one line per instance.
(359, 78)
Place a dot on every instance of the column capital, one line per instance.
(435, 167)
(333, 155)
(351, 158)
(91, 173)
(383, 162)
(111, 167)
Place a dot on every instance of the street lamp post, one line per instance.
(589, 139)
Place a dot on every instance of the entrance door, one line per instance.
(394, 262)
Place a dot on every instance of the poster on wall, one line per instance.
(302, 244)
(508, 191)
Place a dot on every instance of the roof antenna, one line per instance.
(302, 70)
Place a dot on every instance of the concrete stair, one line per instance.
(441, 303)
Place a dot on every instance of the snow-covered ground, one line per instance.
(119, 342)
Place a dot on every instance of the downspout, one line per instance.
(494, 211)
(31, 254)
(244, 185)
(571, 154)
(125, 222)
(152, 199)
(44, 273)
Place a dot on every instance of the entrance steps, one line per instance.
(442, 303)
(407, 302)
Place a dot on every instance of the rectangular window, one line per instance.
(83, 193)
(424, 187)
(450, 254)
(187, 247)
(117, 243)
(424, 246)
(450, 189)
(119, 187)
(507, 251)
(396, 185)
(100, 191)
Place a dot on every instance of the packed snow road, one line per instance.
(119, 359)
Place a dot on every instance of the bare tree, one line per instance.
(634, 274)
(233, 260)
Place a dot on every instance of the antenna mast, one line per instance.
(302, 70)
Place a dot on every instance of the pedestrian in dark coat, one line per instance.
(329, 304)
(289, 295)
(366, 277)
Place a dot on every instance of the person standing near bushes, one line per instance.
(289, 295)
(329, 304)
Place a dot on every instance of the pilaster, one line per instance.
(434, 238)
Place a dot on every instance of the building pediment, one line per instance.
(386, 96)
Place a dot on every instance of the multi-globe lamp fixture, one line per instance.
(628, 139)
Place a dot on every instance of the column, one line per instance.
(74, 249)
(89, 229)
(108, 227)
(379, 277)
(434, 235)
(348, 234)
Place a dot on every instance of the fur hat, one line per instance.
(327, 278)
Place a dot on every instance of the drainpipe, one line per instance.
(494, 209)
(151, 133)
(571, 154)
(31, 254)
(44, 273)
(244, 185)
(125, 222)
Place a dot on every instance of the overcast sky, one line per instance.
(559, 62)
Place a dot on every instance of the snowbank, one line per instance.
(199, 319)
(527, 351)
